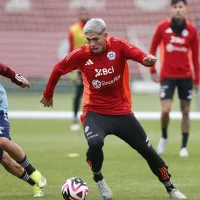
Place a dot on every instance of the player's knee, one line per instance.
(165, 110)
(96, 143)
(185, 113)
(6, 160)
(146, 150)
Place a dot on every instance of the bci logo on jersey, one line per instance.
(177, 40)
(111, 55)
(104, 71)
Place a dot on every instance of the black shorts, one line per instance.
(184, 86)
(97, 126)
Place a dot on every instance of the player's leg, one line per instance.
(15, 151)
(166, 94)
(130, 130)
(76, 103)
(17, 170)
(185, 96)
(95, 130)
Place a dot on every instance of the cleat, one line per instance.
(161, 146)
(37, 191)
(176, 194)
(183, 152)
(38, 179)
(75, 127)
(105, 191)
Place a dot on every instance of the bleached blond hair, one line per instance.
(96, 25)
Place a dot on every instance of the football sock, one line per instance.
(75, 120)
(184, 139)
(97, 176)
(169, 186)
(164, 132)
(26, 178)
(27, 165)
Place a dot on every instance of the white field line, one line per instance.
(69, 115)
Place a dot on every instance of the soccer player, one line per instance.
(12, 156)
(178, 40)
(107, 100)
(77, 39)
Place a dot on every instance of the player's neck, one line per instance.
(179, 20)
(178, 25)
(104, 47)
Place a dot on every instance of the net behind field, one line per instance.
(31, 31)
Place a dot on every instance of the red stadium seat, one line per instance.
(29, 40)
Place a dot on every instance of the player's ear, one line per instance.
(105, 35)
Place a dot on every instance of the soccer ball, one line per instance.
(74, 189)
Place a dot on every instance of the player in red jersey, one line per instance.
(178, 40)
(107, 100)
(12, 157)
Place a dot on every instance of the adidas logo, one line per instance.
(169, 30)
(89, 62)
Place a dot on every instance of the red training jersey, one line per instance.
(9, 73)
(105, 76)
(176, 52)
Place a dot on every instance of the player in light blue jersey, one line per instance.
(12, 156)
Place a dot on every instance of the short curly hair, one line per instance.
(96, 25)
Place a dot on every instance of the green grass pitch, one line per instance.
(48, 143)
(63, 102)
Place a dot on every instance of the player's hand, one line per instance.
(155, 78)
(46, 102)
(196, 87)
(25, 83)
(150, 60)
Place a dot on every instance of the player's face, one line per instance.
(179, 10)
(84, 15)
(96, 41)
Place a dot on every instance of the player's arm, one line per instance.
(157, 37)
(134, 53)
(71, 41)
(65, 66)
(195, 59)
(15, 78)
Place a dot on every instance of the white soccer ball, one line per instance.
(74, 189)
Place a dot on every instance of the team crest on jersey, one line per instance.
(96, 84)
(111, 55)
(185, 32)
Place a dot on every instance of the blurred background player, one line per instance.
(77, 39)
(178, 40)
(12, 156)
